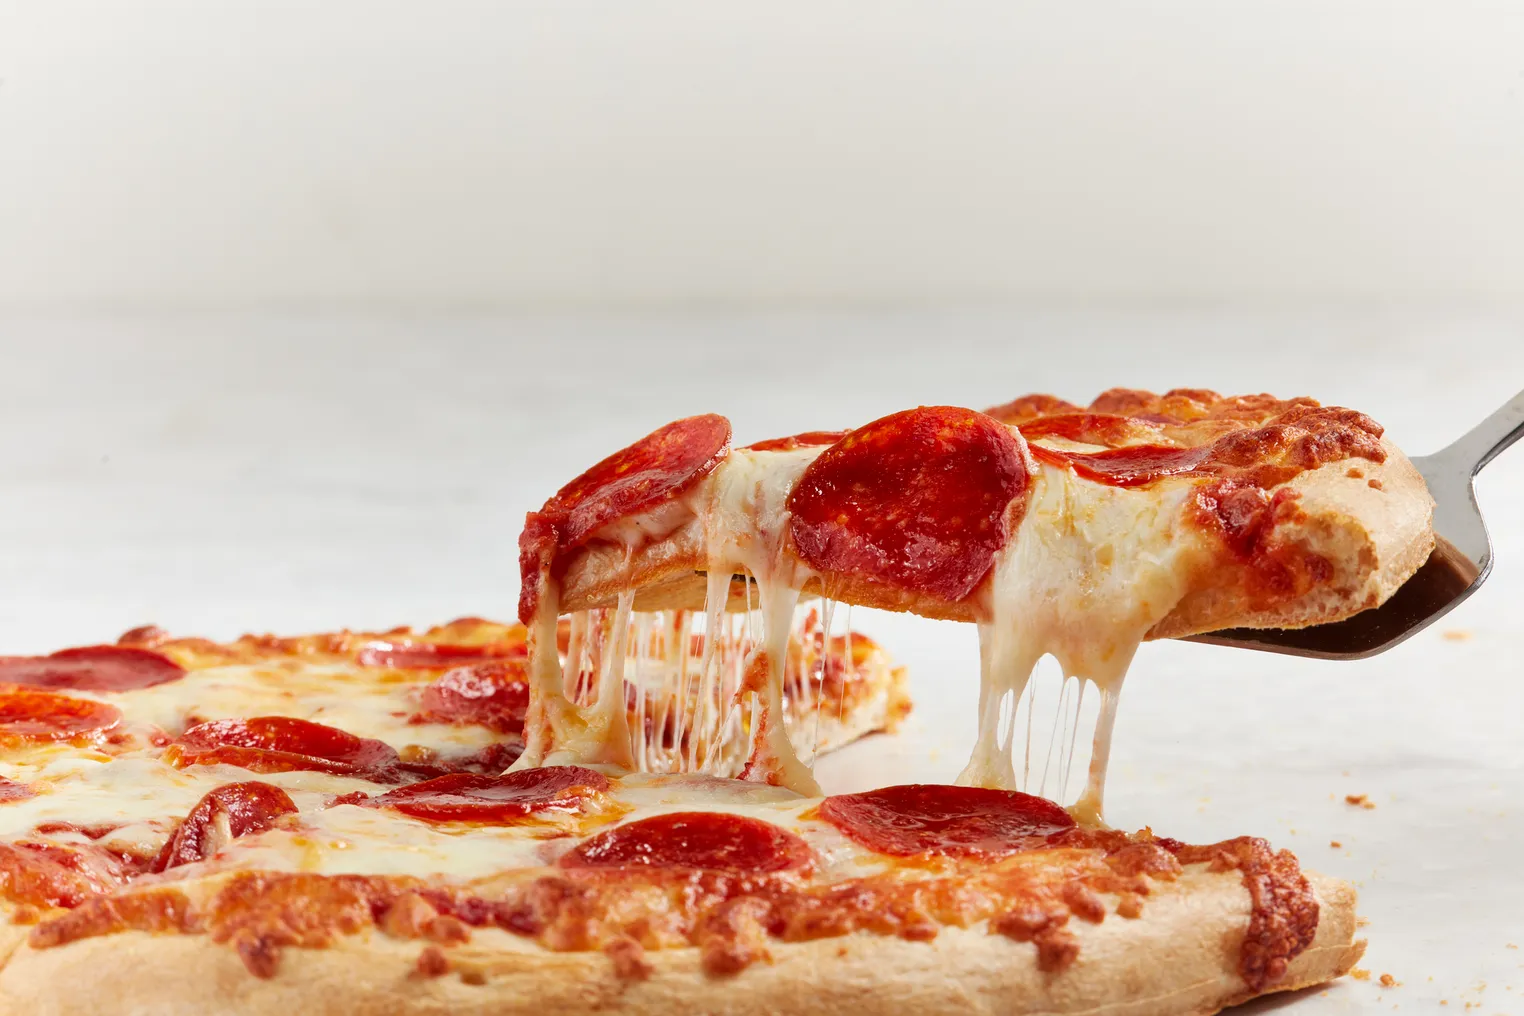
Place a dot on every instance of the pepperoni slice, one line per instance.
(431, 655)
(934, 819)
(920, 500)
(30, 714)
(809, 439)
(652, 470)
(10, 790)
(54, 875)
(92, 668)
(712, 841)
(467, 797)
(494, 695)
(225, 813)
(1132, 466)
(280, 744)
(648, 472)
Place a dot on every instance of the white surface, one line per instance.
(220, 474)
(511, 153)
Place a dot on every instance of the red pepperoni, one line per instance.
(10, 790)
(920, 500)
(30, 714)
(279, 744)
(92, 668)
(432, 655)
(54, 875)
(711, 841)
(934, 819)
(1132, 466)
(226, 813)
(657, 467)
(652, 470)
(494, 695)
(809, 439)
(467, 797)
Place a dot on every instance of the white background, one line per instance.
(303, 305)
(492, 153)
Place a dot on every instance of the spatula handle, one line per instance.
(1484, 442)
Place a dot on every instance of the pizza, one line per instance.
(612, 805)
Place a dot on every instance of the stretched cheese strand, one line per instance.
(772, 758)
(1084, 578)
(558, 730)
(744, 527)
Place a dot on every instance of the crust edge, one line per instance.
(1179, 958)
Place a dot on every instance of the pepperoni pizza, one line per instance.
(613, 806)
(1057, 529)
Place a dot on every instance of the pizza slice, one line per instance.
(1057, 530)
(324, 825)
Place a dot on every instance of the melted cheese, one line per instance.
(362, 701)
(1090, 569)
(1088, 572)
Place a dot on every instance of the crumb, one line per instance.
(1362, 800)
(1360, 974)
(1388, 981)
(1512, 945)
(1456, 635)
(1355, 474)
(1361, 922)
(1335, 844)
(1373, 484)
(1344, 773)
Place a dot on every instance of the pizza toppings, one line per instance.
(1144, 438)
(224, 814)
(469, 797)
(30, 714)
(956, 821)
(10, 790)
(494, 695)
(709, 841)
(406, 655)
(653, 470)
(91, 668)
(278, 744)
(36, 874)
(921, 500)
(808, 439)
(1094, 428)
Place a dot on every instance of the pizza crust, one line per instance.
(1180, 957)
(1374, 528)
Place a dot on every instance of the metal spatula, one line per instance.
(1460, 562)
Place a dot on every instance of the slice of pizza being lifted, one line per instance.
(1057, 530)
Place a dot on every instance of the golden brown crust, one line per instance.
(1179, 957)
(1374, 536)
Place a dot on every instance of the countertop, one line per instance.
(228, 473)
